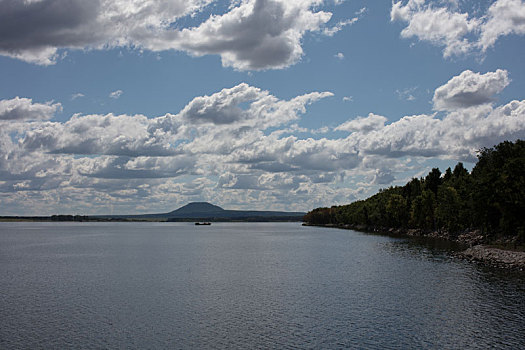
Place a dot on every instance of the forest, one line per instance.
(490, 199)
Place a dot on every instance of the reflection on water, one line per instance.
(174, 285)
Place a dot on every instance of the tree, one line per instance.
(459, 171)
(499, 188)
(447, 210)
(491, 198)
(433, 180)
(397, 211)
(448, 175)
(422, 211)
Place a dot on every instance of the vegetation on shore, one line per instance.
(490, 200)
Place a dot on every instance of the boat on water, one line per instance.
(202, 223)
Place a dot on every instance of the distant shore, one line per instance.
(472, 242)
(141, 218)
(73, 218)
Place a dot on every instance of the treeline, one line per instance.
(491, 198)
(281, 218)
(68, 218)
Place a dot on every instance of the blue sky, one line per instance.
(142, 106)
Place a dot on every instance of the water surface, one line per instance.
(245, 285)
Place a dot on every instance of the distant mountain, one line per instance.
(196, 210)
(204, 210)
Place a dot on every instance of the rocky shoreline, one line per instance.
(473, 241)
(495, 257)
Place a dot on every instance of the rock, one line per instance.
(496, 257)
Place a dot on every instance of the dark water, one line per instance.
(282, 286)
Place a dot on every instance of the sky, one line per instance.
(141, 106)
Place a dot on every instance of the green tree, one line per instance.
(459, 171)
(491, 198)
(397, 211)
(499, 188)
(422, 211)
(433, 180)
(448, 207)
(447, 176)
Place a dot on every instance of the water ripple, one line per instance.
(239, 286)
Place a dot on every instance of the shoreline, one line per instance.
(495, 257)
(472, 243)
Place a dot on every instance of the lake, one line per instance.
(246, 286)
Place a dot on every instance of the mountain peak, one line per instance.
(198, 207)
(200, 210)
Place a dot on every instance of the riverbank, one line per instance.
(473, 243)
(495, 257)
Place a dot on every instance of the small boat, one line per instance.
(203, 223)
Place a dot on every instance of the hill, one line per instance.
(196, 210)
(204, 210)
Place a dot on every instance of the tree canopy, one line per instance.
(491, 198)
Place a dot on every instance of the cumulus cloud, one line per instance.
(363, 124)
(439, 26)
(213, 124)
(99, 135)
(470, 89)
(218, 123)
(470, 122)
(136, 168)
(241, 145)
(458, 135)
(223, 107)
(504, 17)
(258, 34)
(24, 109)
(459, 32)
(251, 35)
(383, 177)
(34, 31)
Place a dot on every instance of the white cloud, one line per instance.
(363, 124)
(99, 135)
(440, 26)
(459, 32)
(33, 31)
(457, 136)
(219, 124)
(144, 167)
(24, 109)
(223, 107)
(470, 89)
(339, 55)
(504, 17)
(383, 177)
(252, 35)
(238, 145)
(258, 34)
(77, 95)
(339, 26)
(116, 94)
(214, 124)
(348, 98)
